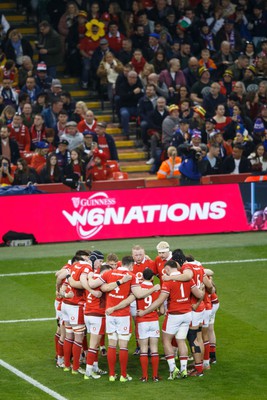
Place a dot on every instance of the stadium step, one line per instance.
(8, 6)
(134, 166)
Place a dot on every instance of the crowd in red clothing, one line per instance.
(208, 58)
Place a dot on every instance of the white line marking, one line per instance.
(13, 321)
(29, 273)
(32, 381)
(234, 261)
(204, 263)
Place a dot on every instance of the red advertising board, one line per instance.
(125, 214)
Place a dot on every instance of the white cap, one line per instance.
(163, 246)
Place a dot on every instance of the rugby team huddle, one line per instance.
(99, 298)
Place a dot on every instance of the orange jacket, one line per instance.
(169, 168)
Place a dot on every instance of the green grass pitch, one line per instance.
(241, 323)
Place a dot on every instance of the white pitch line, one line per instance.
(204, 263)
(14, 321)
(32, 381)
(234, 261)
(28, 273)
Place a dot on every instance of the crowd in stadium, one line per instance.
(106, 298)
(192, 74)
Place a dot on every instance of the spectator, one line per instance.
(181, 135)
(87, 46)
(79, 112)
(6, 173)
(75, 35)
(250, 52)
(25, 70)
(76, 168)
(63, 154)
(230, 33)
(160, 87)
(8, 96)
(31, 89)
(144, 74)
(214, 161)
(221, 120)
(192, 166)
(97, 58)
(55, 91)
(207, 129)
(68, 103)
(129, 91)
(262, 92)
(244, 139)
(227, 84)
(146, 22)
(206, 39)
(9, 70)
(16, 47)
(106, 142)
(155, 121)
(160, 61)
(169, 125)
(225, 148)
(146, 105)
(138, 61)
(114, 37)
(24, 175)
(224, 58)
(214, 98)
(185, 53)
(51, 172)
(40, 104)
(191, 72)
(197, 89)
(240, 90)
(126, 52)
(61, 124)
(236, 163)
(49, 48)
(37, 130)
(50, 114)
(139, 38)
(88, 123)
(258, 159)
(42, 79)
(99, 170)
(39, 157)
(27, 115)
(206, 61)
(67, 20)
(170, 167)
(8, 147)
(108, 71)
(250, 78)
(72, 135)
(239, 67)
(88, 146)
(7, 115)
(20, 133)
(173, 78)
(258, 22)
(152, 47)
(198, 119)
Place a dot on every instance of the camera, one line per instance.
(190, 152)
(5, 165)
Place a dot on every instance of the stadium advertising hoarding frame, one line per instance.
(120, 214)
